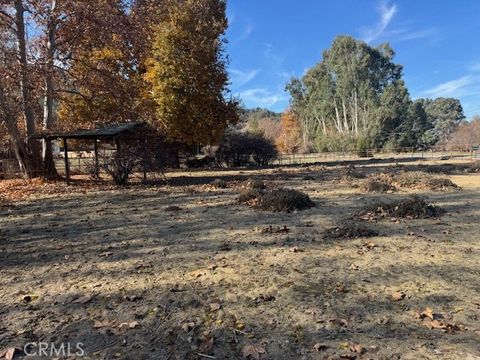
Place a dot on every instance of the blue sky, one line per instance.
(437, 42)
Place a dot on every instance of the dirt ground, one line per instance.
(182, 271)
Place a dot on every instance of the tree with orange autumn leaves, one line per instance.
(289, 139)
(95, 62)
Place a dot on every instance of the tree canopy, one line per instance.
(356, 94)
(96, 62)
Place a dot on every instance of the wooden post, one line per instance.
(65, 152)
(144, 167)
(95, 150)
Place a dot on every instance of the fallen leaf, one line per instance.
(398, 295)
(197, 273)
(339, 322)
(435, 324)
(206, 344)
(7, 353)
(10, 353)
(356, 348)
(427, 313)
(320, 347)
(354, 267)
(253, 350)
(188, 326)
(83, 299)
(130, 325)
(101, 324)
(215, 306)
(132, 298)
(369, 245)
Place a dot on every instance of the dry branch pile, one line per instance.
(414, 207)
(277, 200)
(349, 231)
(418, 180)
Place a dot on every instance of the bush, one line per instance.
(122, 165)
(245, 149)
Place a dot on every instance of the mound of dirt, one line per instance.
(407, 180)
(376, 186)
(255, 184)
(452, 168)
(440, 184)
(220, 183)
(421, 180)
(285, 200)
(349, 231)
(414, 207)
(250, 196)
(351, 172)
(277, 200)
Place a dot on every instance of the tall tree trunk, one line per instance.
(33, 145)
(356, 112)
(337, 117)
(17, 142)
(345, 121)
(48, 111)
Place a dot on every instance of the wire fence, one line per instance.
(83, 162)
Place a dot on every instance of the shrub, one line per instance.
(122, 165)
(245, 149)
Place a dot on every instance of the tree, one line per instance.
(101, 66)
(289, 139)
(16, 104)
(187, 72)
(466, 134)
(340, 94)
(444, 115)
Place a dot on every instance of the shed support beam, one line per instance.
(67, 167)
(95, 149)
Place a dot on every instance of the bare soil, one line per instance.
(183, 271)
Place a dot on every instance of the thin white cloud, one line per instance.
(409, 34)
(475, 67)
(248, 30)
(453, 88)
(386, 15)
(261, 97)
(380, 29)
(240, 78)
(287, 75)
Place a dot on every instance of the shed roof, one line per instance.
(109, 131)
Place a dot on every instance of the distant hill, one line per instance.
(262, 120)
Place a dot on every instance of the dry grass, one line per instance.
(207, 279)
